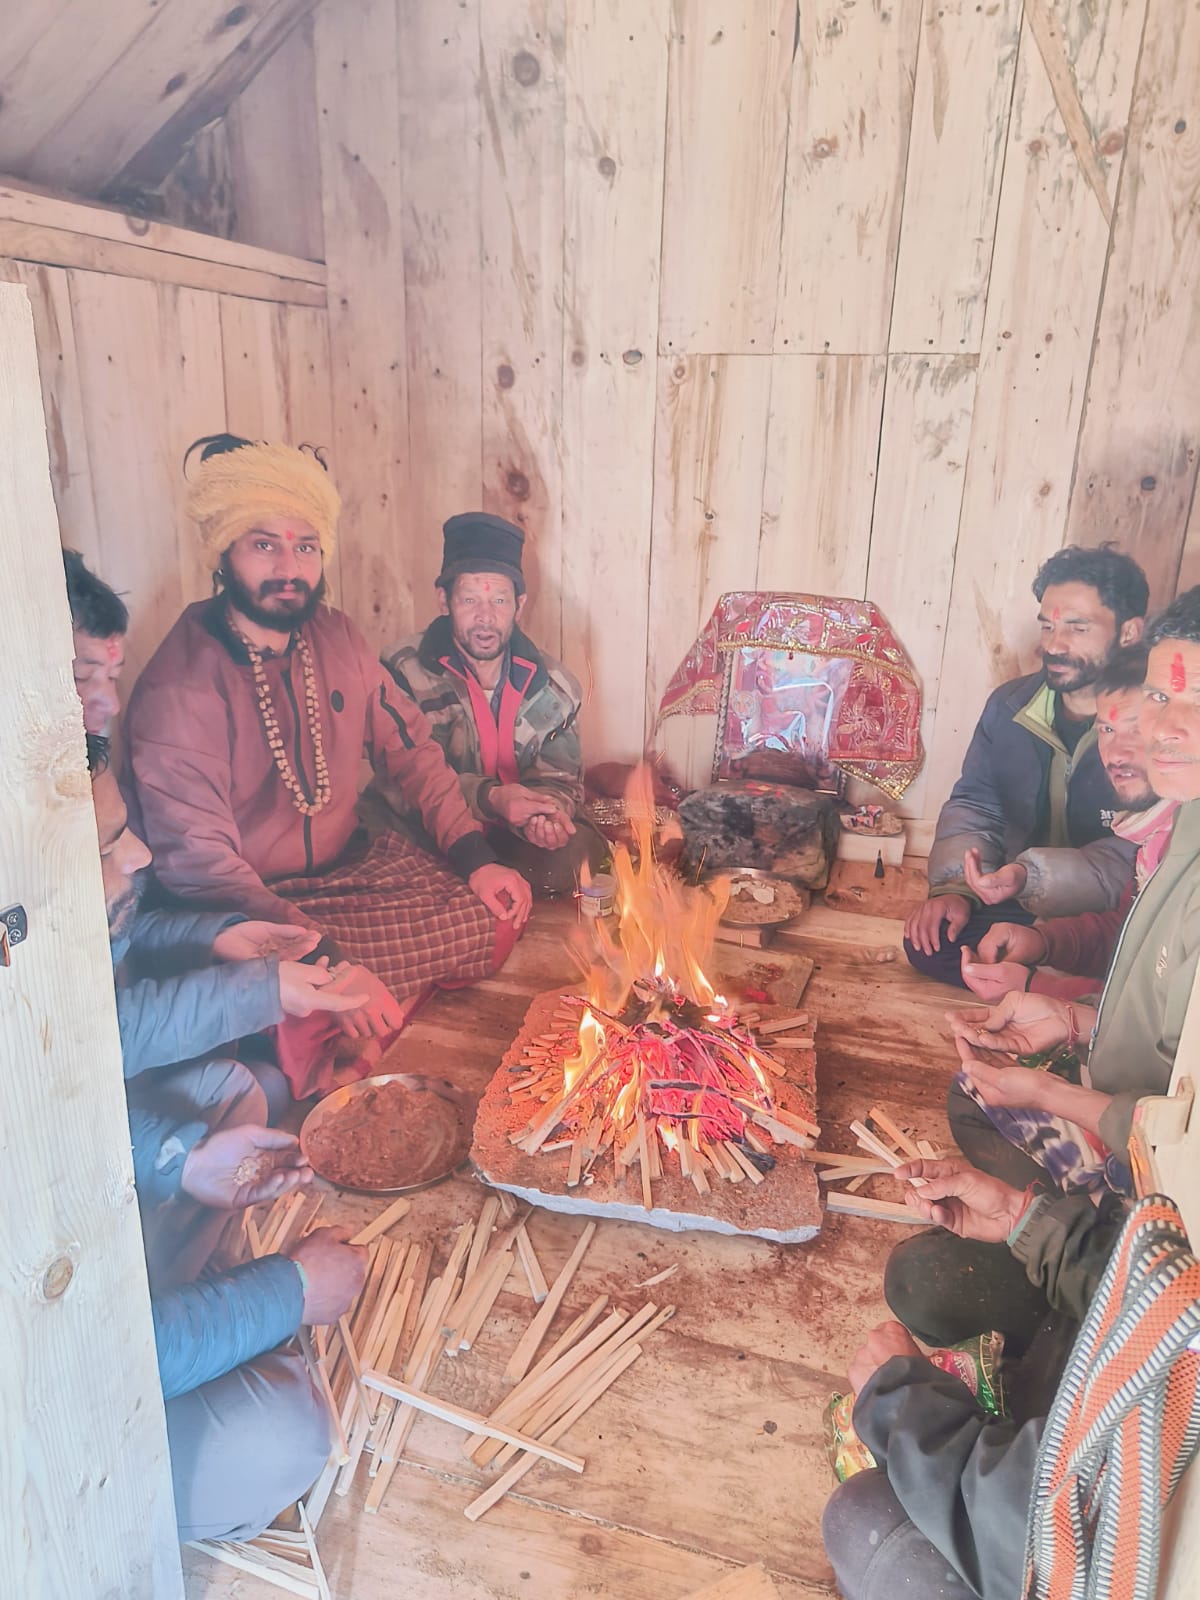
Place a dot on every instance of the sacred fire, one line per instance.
(650, 1068)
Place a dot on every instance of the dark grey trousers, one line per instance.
(246, 1445)
(877, 1553)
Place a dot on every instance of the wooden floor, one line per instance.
(707, 1454)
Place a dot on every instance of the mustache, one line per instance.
(285, 585)
(1062, 661)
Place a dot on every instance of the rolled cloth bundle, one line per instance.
(235, 490)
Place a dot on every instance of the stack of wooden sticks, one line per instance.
(698, 1094)
(885, 1147)
(376, 1366)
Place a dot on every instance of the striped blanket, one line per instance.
(1124, 1424)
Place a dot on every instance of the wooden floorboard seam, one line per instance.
(574, 1514)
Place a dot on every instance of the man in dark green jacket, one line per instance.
(943, 1516)
(1032, 775)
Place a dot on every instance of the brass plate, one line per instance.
(443, 1116)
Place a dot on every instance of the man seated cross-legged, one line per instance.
(505, 713)
(245, 735)
(1032, 776)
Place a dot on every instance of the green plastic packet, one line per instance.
(976, 1361)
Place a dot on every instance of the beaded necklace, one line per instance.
(270, 722)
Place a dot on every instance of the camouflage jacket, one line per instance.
(534, 740)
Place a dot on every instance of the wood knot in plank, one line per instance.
(505, 376)
(517, 485)
(607, 166)
(824, 148)
(56, 1279)
(526, 69)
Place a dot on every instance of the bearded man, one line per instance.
(1027, 1126)
(246, 731)
(504, 712)
(1032, 775)
(1069, 956)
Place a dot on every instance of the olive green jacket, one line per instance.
(1149, 983)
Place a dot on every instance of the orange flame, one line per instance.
(665, 928)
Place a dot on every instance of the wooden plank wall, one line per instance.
(132, 372)
(877, 297)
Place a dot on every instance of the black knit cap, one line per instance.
(476, 541)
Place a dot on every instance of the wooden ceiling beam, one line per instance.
(207, 99)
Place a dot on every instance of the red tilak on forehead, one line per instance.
(1178, 673)
(114, 649)
(1112, 713)
(1056, 614)
(289, 536)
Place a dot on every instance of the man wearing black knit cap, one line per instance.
(503, 711)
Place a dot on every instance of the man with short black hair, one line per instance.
(1032, 775)
(248, 1431)
(1069, 956)
(99, 622)
(504, 712)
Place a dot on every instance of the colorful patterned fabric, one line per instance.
(874, 732)
(397, 911)
(1124, 1424)
(1073, 1158)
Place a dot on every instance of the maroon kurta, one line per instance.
(210, 801)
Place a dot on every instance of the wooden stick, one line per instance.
(872, 1142)
(926, 1149)
(792, 1044)
(797, 1019)
(428, 1347)
(869, 1169)
(566, 1375)
(289, 1223)
(297, 1581)
(482, 1308)
(469, 1421)
(827, 1158)
(563, 1396)
(644, 1163)
(398, 1208)
(505, 1482)
(313, 1553)
(895, 1134)
(861, 1205)
(255, 1238)
(354, 1363)
(530, 1266)
(483, 1233)
(527, 1346)
(744, 1161)
(310, 1221)
(544, 1377)
(316, 1365)
(577, 1330)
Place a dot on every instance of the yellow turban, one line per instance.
(233, 492)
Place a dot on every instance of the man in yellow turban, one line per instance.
(245, 735)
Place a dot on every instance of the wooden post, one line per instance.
(87, 1508)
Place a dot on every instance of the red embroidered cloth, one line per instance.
(874, 730)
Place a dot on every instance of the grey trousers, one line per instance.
(877, 1553)
(250, 1443)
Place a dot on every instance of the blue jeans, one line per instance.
(946, 964)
